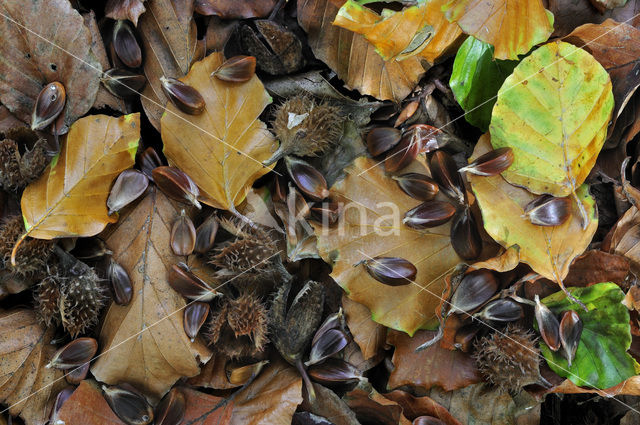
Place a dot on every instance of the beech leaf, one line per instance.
(144, 343)
(352, 57)
(425, 30)
(70, 197)
(124, 9)
(601, 360)
(87, 406)
(369, 335)
(30, 59)
(476, 79)
(27, 387)
(233, 9)
(371, 226)
(548, 250)
(199, 407)
(553, 111)
(511, 26)
(221, 149)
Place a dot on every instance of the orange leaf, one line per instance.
(87, 406)
(352, 57)
(144, 343)
(369, 335)
(223, 148)
(414, 407)
(200, 409)
(70, 198)
(511, 26)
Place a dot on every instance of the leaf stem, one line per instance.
(14, 251)
(583, 212)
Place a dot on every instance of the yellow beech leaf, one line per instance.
(420, 30)
(513, 27)
(548, 250)
(144, 343)
(221, 149)
(70, 198)
(371, 226)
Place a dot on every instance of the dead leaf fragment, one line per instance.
(352, 57)
(369, 335)
(124, 9)
(70, 197)
(223, 148)
(37, 49)
(199, 409)
(25, 350)
(372, 407)
(233, 9)
(87, 406)
(413, 407)
(144, 343)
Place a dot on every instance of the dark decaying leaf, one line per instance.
(231, 9)
(124, 9)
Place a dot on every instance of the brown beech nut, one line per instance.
(475, 289)
(501, 310)
(491, 163)
(547, 210)
(183, 235)
(237, 69)
(239, 375)
(570, 333)
(126, 45)
(75, 353)
(183, 96)
(121, 286)
(189, 285)
(148, 161)
(77, 374)
(326, 212)
(309, 180)
(548, 325)
(128, 404)
(329, 343)
(445, 172)
(128, 187)
(424, 136)
(392, 271)
(429, 214)
(49, 104)
(123, 83)
(206, 235)
(403, 154)
(334, 372)
(195, 314)
(418, 186)
(382, 139)
(465, 237)
(176, 184)
(171, 409)
(62, 396)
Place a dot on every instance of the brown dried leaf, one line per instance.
(199, 409)
(625, 238)
(617, 47)
(124, 9)
(369, 335)
(144, 342)
(328, 405)
(434, 366)
(271, 399)
(169, 40)
(213, 374)
(596, 266)
(29, 60)
(352, 57)
(87, 406)
(630, 386)
(413, 407)
(372, 407)
(233, 9)
(25, 349)
(570, 14)
(231, 140)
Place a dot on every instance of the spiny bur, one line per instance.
(509, 359)
(18, 170)
(306, 127)
(239, 327)
(32, 254)
(47, 295)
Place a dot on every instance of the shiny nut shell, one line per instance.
(424, 136)
(183, 96)
(123, 83)
(309, 180)
(392, 271)
(334, 372)
(418, 186)
(547, 210)
(237, 69)
(121, 286)
(183, 235)
(189, 285)
(206, 235)
(171, 409)
(475, 289)
(148, 160)
(403, 154)
(570, 332)
(547, 325)
(74, 354)
(126, 45)
(331, 342)
(195, 314)
(501, 310)
(491, 163)
(465, 237)
(445, 172)
(382, 139)
(49, 104)
(176, 184)
(128, 187)
(429, 214)
(128, 405)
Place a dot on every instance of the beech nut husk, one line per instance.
(131, 407)
(475, 289)
(183, 96)
(429, 214)
(333, 321)
(128, 187)
(465, 237)
(547, 210)
(206, 235)
(121, 286)
(237, 69)
(445, 172)
(570, 333)
(334, 372)
(49, 104)
(382, 139)
(189, 285)
(122, 82)
(547, 325)
(392, 271)
(418, 186)
(183, 235)
(171, 409)
(126, 45)
(75, 353)
(239, 375)
(491, 163)
(176, 184)
(309, 180)
(331, 342)
(195, 314)
(501, 310)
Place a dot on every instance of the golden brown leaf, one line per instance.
(87, 406)
(511, 26)
(25, 349)
(144, 342)
(624, 239)
(548, 250)
(434, 366)
(371, 226)
(352, 57)
(221, 149)
(199, 409)
(169, 39)
(70, 198)
(425, 32)
(369, 335)
(124, 9)
(28, 62)
(271, 399)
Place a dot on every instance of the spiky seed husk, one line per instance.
(32, 254)
(18, 170)
(248, 316)
(509, 359)
(81, 299)
(306, 127)
(47, 295)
